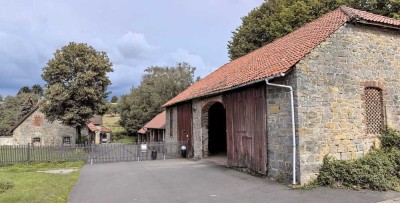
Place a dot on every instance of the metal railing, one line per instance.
(103, 153)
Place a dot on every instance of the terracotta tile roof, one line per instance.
(105, 130)
(142, 131)
(91, 127)
(363, 15)
(277, 57)
(157, 122)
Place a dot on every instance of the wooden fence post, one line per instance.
(28, 154)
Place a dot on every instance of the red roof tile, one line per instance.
(92, 127)
(105, 130)
(157, 122)
(142, 131)
(276, 57)
(363, 15)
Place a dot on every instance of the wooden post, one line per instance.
(28, 154)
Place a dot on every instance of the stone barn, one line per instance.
(343, 70)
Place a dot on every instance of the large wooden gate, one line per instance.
(246, 128)
(185, 126)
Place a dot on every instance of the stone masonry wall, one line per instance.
(200, 109)
(197, 129)
(174, 136)
(279, 127)
(6, 141)
(330, 81)
(36, 125)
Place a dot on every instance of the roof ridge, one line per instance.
(348, 11)
(23, 118)
(279, 55)
(357, 15)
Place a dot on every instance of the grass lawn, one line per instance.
(126, 139)
(111, 121)
(32, 186)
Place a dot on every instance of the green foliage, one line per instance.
(377, 170)
(36, 89)
(77, 84)
(114, 109)
(276, 18)
(114, 99)
(390, 138)
(158, 85)
(11, 111)
(122, 137)
(24, 89)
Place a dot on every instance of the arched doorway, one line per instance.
(217, 130)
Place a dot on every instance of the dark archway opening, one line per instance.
(217, 130)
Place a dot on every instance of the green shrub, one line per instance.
(390, 138)
(377, 170)
(4, 186)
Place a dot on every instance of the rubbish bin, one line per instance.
(183, 151)
(153, 155)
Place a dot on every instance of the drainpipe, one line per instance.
(293, 123)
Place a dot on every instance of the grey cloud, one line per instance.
(135, 34)
(135, 46)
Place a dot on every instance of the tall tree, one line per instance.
(158, 85)
(276, 18)
(114, 99)
(77, 84)
(37, 89)
(24, 89)
(11, 110)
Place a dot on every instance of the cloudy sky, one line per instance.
(135, 34)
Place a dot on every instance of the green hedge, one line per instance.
(377, 170)
(390, 138)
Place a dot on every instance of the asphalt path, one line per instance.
(181, 180)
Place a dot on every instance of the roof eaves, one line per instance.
(231, 88)
(379, 24)
(24, 118)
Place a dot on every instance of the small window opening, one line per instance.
(375, 114)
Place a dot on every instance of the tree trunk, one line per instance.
(78, 132)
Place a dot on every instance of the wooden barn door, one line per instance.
(246, 128)
(185, 125)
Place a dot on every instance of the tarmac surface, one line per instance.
(181, 180)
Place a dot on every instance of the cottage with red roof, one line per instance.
(154, 130)
(336, 79)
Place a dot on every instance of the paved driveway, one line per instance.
(203, 181)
